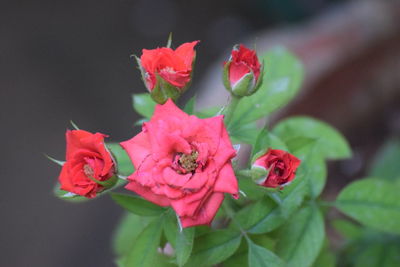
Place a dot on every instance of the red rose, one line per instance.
(281, 167)
(184, 162)
(87, 160)
(175, 67)
(242, 71)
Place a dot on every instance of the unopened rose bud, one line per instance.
(242, 72)
(167, 73)
(275, 168)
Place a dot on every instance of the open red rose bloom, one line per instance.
(174, 66)
(281, 165)
(87, 159)
(184, 162)
(243, 61)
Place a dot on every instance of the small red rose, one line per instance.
(167, 71)
(87, 160)
(242, 71)
(184, 162)
(281, 167)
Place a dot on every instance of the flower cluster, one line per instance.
(180, 160)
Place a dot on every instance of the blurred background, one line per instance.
(63, 60)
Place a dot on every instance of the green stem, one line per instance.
(230, 109)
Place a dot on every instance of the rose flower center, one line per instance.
(88, 170)
(188, 161)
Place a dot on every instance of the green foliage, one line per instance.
(181, 240)
(214, 247)
(243, 133)
(262, 257)
(190, 105)
(124, 163)
(347, 229)
(144, 250)
(137, 205)
(330, 144)
(301, 240)
(326, 257)
(386, 162)
(372, 202)
(267, 214)
(143, 104)
(129, 228)
(283, 74)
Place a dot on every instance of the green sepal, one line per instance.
(164, 90)
(107, 183)
(244, 86)
(225, 76)
(74, 125)
(58, 162)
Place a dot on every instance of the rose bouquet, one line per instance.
(193, 197)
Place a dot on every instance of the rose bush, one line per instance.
(88, 164)
(281, 167)
(184, 162)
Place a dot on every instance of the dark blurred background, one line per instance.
(63, 60)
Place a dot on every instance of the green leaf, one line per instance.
(372, 202)
(124, 163)
(190, 105)
(301, 239)
(214, 247)
(262, 257)
(182, 241)
(283, 74)
(379, 255)
(329, 143)
(260, 217)
(312, 168)
(347, 229)
(128, 229)
(326, 257)
(246, 133)
(137, 205)
(144, 252)
(184, 245)
(143, 104)
(265, 215)
(385, 164)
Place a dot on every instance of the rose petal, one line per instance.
(186, 52)
(226, 181)
(138, 148)
(206, 213)
(146, 193)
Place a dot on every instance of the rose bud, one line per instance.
(89, 167)
(184, 162)
(242, 72)
(167, 73)
(279, 168)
